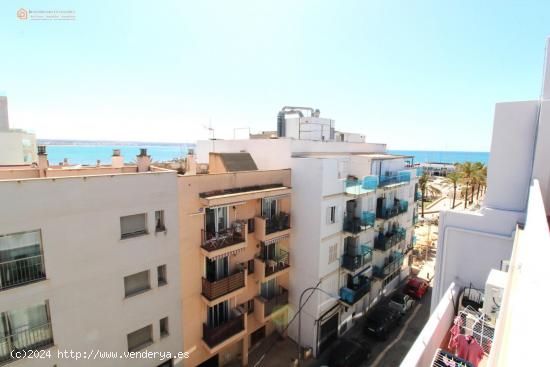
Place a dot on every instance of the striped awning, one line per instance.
(277, 239)
(225, 254)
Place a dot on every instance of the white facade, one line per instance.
(509, 232)
(320, 171)
(78, 219)
(16, 146)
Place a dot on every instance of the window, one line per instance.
(250, 225)
(141, 338)
(159, 221)
(163, 327)
(21, 260)
(136, 283)
(161, 275)
(332, 253)
(250, 266)
(216, 219)
(250, 305)
(133, 225)
(331, 214)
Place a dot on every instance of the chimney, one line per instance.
(143, 161)
(4, 122)
(117, 161)
(191, 162)
(42, 160)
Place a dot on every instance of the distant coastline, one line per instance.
(94, 143)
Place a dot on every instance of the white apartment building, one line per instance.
(16, 146)
(89, 261)
(352, 218)
(509, 234)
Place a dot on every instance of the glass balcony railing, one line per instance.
(400, 206)
(354, 224)
(417, 195)
(354, 292)
(384, 242)
(402, 176)
(415, 219)
(359, 187)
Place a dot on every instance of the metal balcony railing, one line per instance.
(221, 287)
(277, 223)
(275, 302)
(390, 239)
(395, 262)
(401, 206)
(280, 262)
(25, 339)
(216, 335)
(21, 271)
(353, 262)
(212, 241)
(353, 293)
(353, 224)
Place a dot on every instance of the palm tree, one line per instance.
(453, 178)
(481, 177)
(426, 188)
(466, 170)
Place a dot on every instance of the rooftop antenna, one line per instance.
(211, 130)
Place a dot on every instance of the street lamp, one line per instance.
(312, 289)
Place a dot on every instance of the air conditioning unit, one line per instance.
(494, 290)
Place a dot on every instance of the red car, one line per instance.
(416, 287)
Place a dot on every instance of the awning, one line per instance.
(277, 239)
(225, 254)
(228, 199)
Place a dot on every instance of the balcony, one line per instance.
(394, 180)
(227, 286)
(32, 339)
(394, 263)
(352, 262)
(215, 338)
(227, 240)
(19, 272)
(266, 269)
(361, 187)
(264, 307)
(355, 292)
(415, 219)
(355, 225)
(390, 239)
(399, 207)
(417, 195)
(266, 229)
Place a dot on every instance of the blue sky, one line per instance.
(414, 74)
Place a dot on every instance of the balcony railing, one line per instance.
(403, 176)
(401, 206)
(32, 339)
(360, 187)
(396, 260)
(212, 241)
(21, 271)
(275, 302)
(417, 195)
(390, 239)
(216, 335)
(415, 219)
(354, 293)
(280, 262)
(353, 262)
(353, 224)
(221, 287)
(277, 223)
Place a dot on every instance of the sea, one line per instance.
(89, 154)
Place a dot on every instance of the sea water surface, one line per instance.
(89, 154)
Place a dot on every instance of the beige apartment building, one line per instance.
(235, 239)
(89, 261)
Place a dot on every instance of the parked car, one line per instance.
(381, 321)
(401, 302)
(416, 287)
(349, 353)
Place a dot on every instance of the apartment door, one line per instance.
(218, 314)
(269, 251)
(216, 219)
(217, 269)
(269, 208)
(269, 289)
(328, 332)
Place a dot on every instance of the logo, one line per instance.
(22, 14)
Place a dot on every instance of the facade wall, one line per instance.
(17, 147)
(86, 260)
